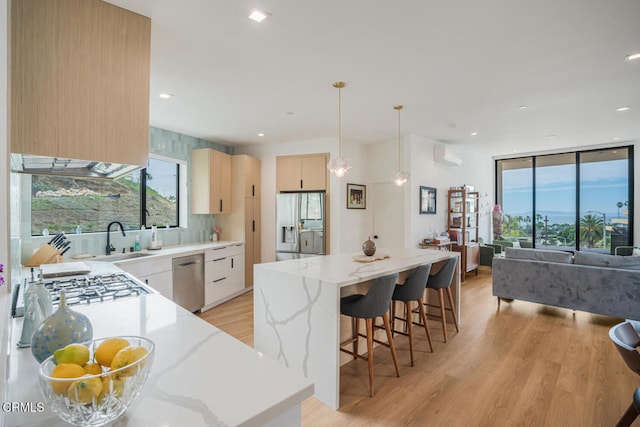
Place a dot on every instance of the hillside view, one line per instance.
(60, 204)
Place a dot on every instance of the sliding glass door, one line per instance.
(577, 200)
(604, 199)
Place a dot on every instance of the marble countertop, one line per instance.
(168, 251)
(342, 270)
(200, 376)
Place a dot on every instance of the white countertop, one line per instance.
(340, 269)
(200, 376)
(181, 250)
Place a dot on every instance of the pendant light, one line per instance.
(399, 177)
(339, 166)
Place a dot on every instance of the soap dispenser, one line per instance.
(136, 246)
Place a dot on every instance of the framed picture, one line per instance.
(427, 200)
(356, 196)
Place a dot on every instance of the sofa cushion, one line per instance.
(539, 255)
(606, 260)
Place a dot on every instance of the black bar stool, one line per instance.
(374, 304)
(412, 290)
(440, 281)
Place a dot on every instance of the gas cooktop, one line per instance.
(93, 289)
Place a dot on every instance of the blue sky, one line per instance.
(603, 185)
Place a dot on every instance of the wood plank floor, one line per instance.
(524, 364)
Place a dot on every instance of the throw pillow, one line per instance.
(636, 252)
(539, 255)
(606, 260)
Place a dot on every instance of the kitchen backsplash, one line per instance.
(162, 142)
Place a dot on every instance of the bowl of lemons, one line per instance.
(93, 384)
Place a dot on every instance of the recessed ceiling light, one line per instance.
(551, 136)
(261, 134)
(473, 133)
(623, 108)
(257, 16)
(615, 138)
(165, 95)
(632, 56)
(290, 113)
(523, 107)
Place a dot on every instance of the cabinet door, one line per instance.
(251, 177)
(220, 176)
(237, 272)
(288, 173)
(314, 172)
(161, 282)
(252, 238)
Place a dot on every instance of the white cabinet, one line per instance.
(223, 274)
(157, 273)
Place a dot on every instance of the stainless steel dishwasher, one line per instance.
(188, 282)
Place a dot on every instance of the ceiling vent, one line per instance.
(446, 155)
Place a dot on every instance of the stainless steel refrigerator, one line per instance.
(300, 224)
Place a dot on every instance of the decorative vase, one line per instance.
(497, 222)
(369, 247)
(214, 237)
(62, 328)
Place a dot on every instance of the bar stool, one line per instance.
(412, 290)
(440, 281)
(374, 304)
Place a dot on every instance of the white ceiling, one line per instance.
(458, 66)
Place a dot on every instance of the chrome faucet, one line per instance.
(110, 247)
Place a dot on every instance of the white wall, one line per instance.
(347, 227)
(392, 212)
(4, 184)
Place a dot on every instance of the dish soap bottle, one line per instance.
(136, 245)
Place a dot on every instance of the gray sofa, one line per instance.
(596, 283)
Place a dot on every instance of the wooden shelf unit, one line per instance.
(462, 225)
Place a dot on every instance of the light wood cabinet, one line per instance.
(79, 81)
(211, 182)
(301, 173)
(243, 224)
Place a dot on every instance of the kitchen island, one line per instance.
(296, 304)
(200, 375)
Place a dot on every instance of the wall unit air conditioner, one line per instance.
(446, 155)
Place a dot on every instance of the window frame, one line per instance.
(578, 154)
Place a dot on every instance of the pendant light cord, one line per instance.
(339, 122)
(398, 108)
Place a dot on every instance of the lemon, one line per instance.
(111, 385)
(125, 357)
(107, 350)
(84, 390)
(65, 370)
(73, 353)
(92, 369)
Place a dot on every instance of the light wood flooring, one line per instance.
(523, 364)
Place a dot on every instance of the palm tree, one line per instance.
(590, 229)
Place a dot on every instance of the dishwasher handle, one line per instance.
(185, 264)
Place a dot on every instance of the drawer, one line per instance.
(147, 267)
(217, 290)
(223, 251)
(217, 269)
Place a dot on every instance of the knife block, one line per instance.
(47, 254)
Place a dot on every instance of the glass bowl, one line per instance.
(95, 400)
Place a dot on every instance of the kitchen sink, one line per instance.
(125, 256)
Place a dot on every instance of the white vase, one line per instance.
(214, 237)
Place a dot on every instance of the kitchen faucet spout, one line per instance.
(110, 247)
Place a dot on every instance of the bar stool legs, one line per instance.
(443, 311)
(409, 323)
